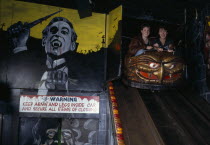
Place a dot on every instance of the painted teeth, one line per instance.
(56, 44)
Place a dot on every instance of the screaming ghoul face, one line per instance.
(59, 37)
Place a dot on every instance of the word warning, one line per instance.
(59, 104)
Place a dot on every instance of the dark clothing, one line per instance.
(25, 69)
(166, 45)
(136, 44)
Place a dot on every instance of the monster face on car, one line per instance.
(155, 68)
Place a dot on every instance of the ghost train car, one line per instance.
(153, 70)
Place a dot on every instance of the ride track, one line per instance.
(170, 117)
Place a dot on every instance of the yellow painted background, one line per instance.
(113, 19)
(89, 30)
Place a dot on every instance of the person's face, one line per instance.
(51, 137)
(145, 32)
(67, 137)
(51, 133)
(163, 33)
(58, 40)
(207, 37)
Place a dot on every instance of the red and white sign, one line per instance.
(59, 104)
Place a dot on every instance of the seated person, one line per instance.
(141, 43)
(207, 45)
(163, 43)
(207, 50)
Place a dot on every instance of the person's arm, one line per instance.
(157, 47)
(149, 47)
(18, 34)
(171, 48)
(134, 46)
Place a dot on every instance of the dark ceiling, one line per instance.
(165, 10)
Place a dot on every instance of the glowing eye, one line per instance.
(153, 65)
(171, 66)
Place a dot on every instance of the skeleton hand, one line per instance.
(18, 35)
(56, 78)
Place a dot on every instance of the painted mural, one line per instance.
(51, 48)
(50, 131)
(113, 42)
(13, 11)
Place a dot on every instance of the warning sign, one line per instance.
(59, 104)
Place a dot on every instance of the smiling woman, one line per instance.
(140, 43)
